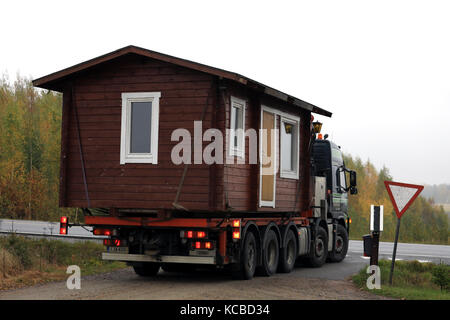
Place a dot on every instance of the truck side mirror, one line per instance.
(352, 178)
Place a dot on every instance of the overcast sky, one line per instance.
(381, 67)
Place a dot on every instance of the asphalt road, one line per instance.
(329, 282)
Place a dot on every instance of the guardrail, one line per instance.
(44, 229)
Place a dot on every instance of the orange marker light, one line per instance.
(236, 235)
(208, 245)
(201, 234)
(236, 223)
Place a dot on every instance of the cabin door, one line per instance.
(267, 159)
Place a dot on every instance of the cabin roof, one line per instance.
(51, 81)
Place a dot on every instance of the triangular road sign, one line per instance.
(402, 195)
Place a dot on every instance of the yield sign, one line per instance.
(402, 195)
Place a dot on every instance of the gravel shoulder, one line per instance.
(124, 284)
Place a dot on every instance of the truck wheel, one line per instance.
(319, 251)
(245, 270)
(341, 245)
(270, 254)
(288, 253)
(147, 269)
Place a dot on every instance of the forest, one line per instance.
(30, 124)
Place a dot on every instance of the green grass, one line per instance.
(25, 261)
(412, 280)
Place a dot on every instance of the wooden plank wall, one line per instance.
(97, 95)
(243, 179)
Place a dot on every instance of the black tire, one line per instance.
(270, 254)
(288, 253)
(319, 251)
(147, 269)
(245, 270)
(341, 246)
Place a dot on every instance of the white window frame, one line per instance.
(125, 155)
(240, 150)
(286, 173)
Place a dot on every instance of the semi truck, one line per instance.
(277, 198)
(247, 243)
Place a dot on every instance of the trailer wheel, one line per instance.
(147, 269)
(341, 245)
(270, 254)
(319, 251)
(245, 270)
(288, 253)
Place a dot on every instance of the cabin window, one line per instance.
(139, 134)
(237, 127)
(289, 148)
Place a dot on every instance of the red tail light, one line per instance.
(208, 245)
(102, 232)
(63, 225)
(194, 234)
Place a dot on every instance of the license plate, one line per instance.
(117, 249)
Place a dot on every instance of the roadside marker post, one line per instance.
(402, 195)
(376, 226)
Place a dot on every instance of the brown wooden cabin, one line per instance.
(97, 171)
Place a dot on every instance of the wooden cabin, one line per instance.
(119, 112)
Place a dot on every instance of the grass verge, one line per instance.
(412, 280)
(25, 261)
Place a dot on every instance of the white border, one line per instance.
(240, 104)
(125, 155)
(263, 203)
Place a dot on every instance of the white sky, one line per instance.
(381, 67)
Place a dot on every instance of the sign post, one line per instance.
(402, 196)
